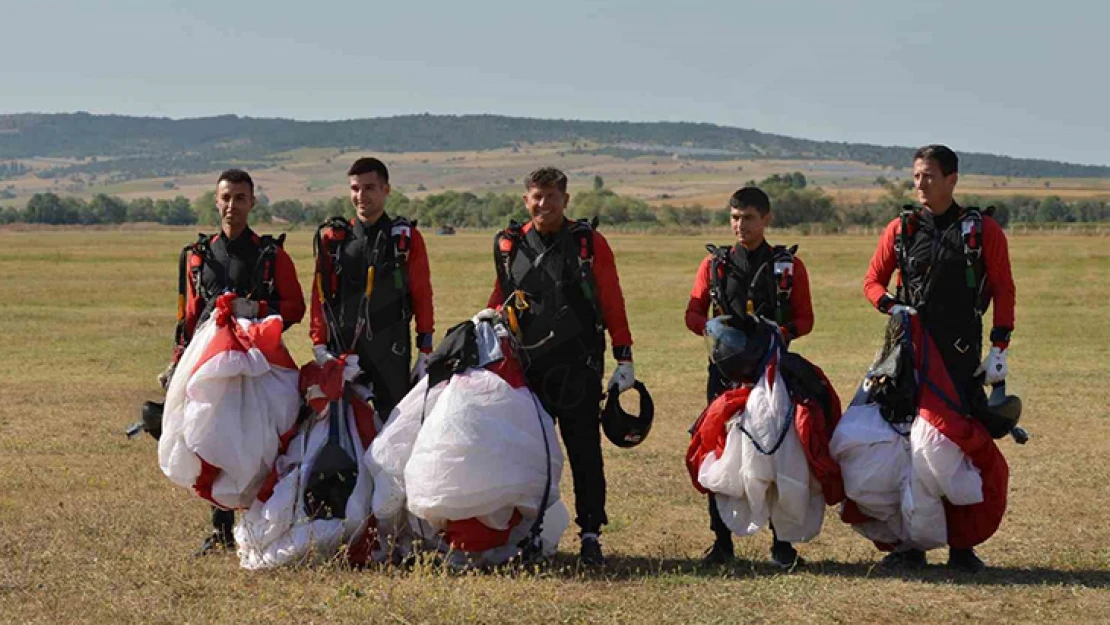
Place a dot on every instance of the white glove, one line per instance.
(321, 354)
(902, 308)
(994, 365)
(489, 315)
(350, 368)
(419, 368)
(243, 307)
(624, 376)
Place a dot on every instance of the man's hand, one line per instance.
(245, 308)
(321, 354)
(624, 376)
(166, 376)
(420, 368)
(902, 308)
(350, 367)
(994, 366)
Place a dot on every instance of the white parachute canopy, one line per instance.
(470, 448)
(281, 530)
(233, 394)
(756, 483)
(899, 480)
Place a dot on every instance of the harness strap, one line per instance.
(401, 233)
(582, 231)
(202, 249)
(908, 221)
(262, 283)
(783, 259)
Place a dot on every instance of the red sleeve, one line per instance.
(801, 305)
(609, 292)
(697, 309)
(317, 322)
(496, 299)
(1000, 280)
(883, 264)
(290, 298)
(193, 304)
(420, 285)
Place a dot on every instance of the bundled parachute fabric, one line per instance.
(318, 494)
(466, 465)
(763, 452)
(937, 480)
(233, 396)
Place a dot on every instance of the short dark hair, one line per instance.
(944, 156)
(236, 176)
(369, 165)
(546, 177)
(750, 197)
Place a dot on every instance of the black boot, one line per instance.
(784, 555)
(910, 559)
(221, 538)
(590, 553)
(965, 561)
(721, 553)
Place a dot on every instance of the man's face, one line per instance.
(234, 200)
(748, 225)
(546, 205)
(934, 189)
(368, 193)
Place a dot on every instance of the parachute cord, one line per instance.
(532, 541)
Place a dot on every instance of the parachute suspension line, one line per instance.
(777, 348)
(531, 545)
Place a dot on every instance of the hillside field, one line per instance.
(92, 532)
(319, 174)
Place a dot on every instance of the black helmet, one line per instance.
(1002, 413)
(623, 429)
(151, 421)
(738, 345)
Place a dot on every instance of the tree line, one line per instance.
(141, 147)
(793, 201)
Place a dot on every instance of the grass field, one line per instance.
(91, 532)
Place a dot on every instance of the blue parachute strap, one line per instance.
(777, 347)
(960, 407)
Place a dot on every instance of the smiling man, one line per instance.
(560, 279)
(236, 260)
(751, 277)
(372, 277)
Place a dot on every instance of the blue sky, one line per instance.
(1018, 78)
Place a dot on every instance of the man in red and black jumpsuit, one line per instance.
(749, 282)
(237, 260)
(937, 282)
(376, 327)
(563, 313)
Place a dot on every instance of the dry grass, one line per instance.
(91, 532)
(317, 174)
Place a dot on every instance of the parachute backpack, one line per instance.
(722, 270)
(327, 293)
(971, 232)
(507, 244)
(623, 429)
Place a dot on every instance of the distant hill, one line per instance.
(150, 146)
